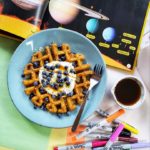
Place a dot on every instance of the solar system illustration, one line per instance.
(115, 27)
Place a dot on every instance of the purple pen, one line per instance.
(114, 136)
(136, 146)
(127, 146)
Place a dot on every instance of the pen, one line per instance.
(126, 125)
(136, 146)
(92, 144)
(127, 146)
(108, 129)
(101, 123)
(107, 136)
(114, 136)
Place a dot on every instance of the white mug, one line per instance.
(142, 94)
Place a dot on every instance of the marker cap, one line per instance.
(55, 148)
(98, 143)
(140, 145)
(115, 115)
(126, 139)
(130, 128)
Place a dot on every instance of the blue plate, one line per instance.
(22, 56)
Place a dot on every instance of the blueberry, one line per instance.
(36, 64)
(48, 68)
(55, 86)
(54, 96)
(44, 76)
(35, 107)
(43, 73)
(59, 47)
(52, 85)
(36, 83)
(47, 82)
(61, 80)
(44, 84)
(67, 113)
(58, 80)
(57, 65)
(23, 76)
(59, 115)
(52, 67)
(45, 66)
(42, 91)
(46, 99)
(63, 93)
(50, 74)
(84, 91)
(48, 78)
(43, 107)
(67, 83)
(70, 94)
(66, 67)
(46, 62)
(59, 95)
(60, 84)
(66, 79)
(71, 71)
(65, 72)
(74, 64)
(42, 81)
(59, 76)
(63, 58)
(59, 72)
(31, 95)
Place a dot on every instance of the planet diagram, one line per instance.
(108, 33)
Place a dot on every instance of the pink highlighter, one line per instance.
(114, 136)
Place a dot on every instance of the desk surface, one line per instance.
(17, 133)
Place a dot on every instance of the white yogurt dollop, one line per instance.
(48, 77)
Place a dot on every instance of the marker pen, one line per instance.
(127, 146)
(126, 125)
(101, 123)
(92, 144)
(108, 129)
(114, 136)
(136, 146)
(107, 136)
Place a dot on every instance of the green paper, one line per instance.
(16, 132)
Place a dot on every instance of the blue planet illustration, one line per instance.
(92, 25)
(109, 34)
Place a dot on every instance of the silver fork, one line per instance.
(98, 70)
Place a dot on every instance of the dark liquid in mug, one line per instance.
(128, 92)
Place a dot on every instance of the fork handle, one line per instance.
(76, 122)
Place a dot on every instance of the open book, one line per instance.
(116, 27)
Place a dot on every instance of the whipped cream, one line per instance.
(58, 77)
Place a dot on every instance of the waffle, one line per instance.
(37, 94)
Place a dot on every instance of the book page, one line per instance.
(116, 27)
(21, 17)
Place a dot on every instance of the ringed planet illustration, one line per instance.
(65, 11)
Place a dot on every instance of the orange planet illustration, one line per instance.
(28, 4)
